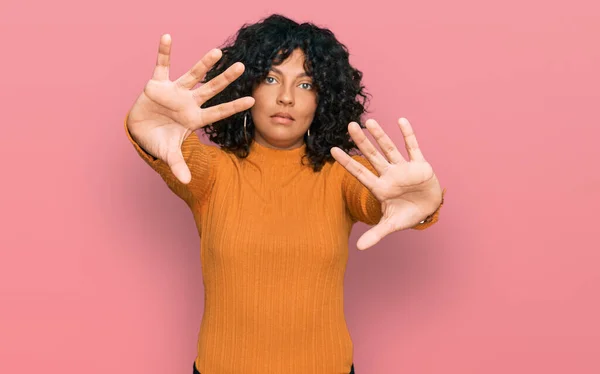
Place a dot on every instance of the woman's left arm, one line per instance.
(408, 191)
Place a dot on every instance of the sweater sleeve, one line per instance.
(363, 206)
(201, 159)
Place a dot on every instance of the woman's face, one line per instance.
(286, 91)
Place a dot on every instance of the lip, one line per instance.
(283, 115)
(282, 120)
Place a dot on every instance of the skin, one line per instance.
(166, 112)
(287, 88)
(408, 189)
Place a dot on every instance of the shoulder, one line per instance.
(212, 150)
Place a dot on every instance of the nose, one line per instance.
(285, 96)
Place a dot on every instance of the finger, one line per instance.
(355, 168)
(410, 140)
(367, 148)
(178, 166)
(218, 112)
(163, 60)
(386, 144)
(199, 70)
(373, 236)
(218, 84)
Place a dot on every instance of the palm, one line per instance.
(399, 190)
(408, 190)
(166, 112)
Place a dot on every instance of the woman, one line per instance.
(274, 204)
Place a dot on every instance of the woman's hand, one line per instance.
(167, 112)
(408, 191)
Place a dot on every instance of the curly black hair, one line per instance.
(341, 98)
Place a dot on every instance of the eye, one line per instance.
(307, 86)
(269, 80)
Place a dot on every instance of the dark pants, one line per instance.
(197, 372)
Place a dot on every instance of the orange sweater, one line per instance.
(274, 246)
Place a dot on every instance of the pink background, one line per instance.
(99, 261)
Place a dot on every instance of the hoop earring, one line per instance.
(308, 132)
(245, 132)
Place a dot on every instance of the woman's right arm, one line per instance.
(162, 122)
(201, 159)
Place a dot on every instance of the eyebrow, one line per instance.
(298, 76)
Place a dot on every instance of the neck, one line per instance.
(281, 146)
(268, 155)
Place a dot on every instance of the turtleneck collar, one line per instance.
(264, 155)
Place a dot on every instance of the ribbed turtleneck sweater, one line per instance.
(273, 250)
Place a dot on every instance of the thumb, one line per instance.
(178, 166)
(373, 236)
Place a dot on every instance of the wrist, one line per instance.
(433, 216)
